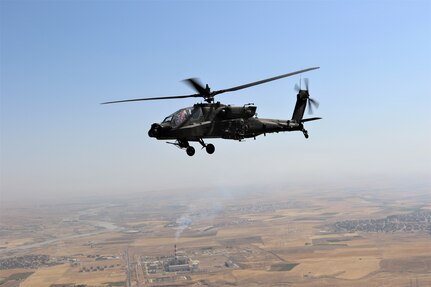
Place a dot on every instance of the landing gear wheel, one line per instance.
(190, 151)
(305, 134)
(210, 148)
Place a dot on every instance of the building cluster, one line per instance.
(264, 207)
(174, 263)
(98, 268)
(99, 257)
(411, 222)
(31, 261)
(239, 221)
(83, 285)
(180, 264)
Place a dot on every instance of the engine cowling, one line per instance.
(230, 112)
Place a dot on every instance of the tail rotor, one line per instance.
(304, 94)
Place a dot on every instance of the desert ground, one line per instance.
(279, 236)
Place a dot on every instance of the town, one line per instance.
(411, 222)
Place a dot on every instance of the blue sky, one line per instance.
(59, 60)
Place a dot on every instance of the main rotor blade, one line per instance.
(205, 92)
(306, 83)
(194, 83)
(156, 98)
(262, 81)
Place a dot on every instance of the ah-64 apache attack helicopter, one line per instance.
(217, 120)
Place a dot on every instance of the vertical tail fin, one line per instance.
(301, 103)
(302, 99)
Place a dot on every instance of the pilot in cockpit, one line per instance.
(180, 117)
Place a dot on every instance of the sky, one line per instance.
(60, 59)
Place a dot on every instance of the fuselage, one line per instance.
(215, 120)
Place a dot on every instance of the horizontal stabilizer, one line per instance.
(310, 119)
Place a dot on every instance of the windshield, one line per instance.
(181, 116)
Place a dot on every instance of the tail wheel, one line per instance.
(210, 148)
(190, 151)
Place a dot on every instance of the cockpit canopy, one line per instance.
(182, 116)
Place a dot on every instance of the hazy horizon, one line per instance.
(402, 186)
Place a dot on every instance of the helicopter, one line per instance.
(211, 119)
